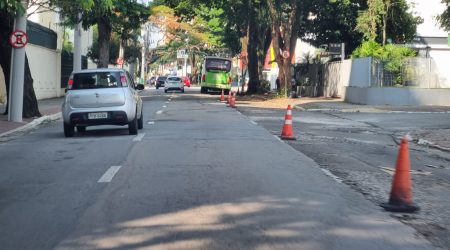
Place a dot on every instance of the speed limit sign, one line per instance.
(18, 39)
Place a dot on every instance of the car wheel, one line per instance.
(203, 90)
(133, 126)
(81, 128)
(69, 130)
(141, 120)
(157, 87)
(165, 91)
(182, 91)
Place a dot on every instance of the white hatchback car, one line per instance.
(174, 83)
(102, 97)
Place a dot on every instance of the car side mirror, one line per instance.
(140, 86)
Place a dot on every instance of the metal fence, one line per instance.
(414, 72)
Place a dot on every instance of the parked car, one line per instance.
(160, 81)
(102, 97)
(186, 81)
(174, 83)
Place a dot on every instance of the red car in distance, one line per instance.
(186, 81)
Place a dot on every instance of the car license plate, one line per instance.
(101, 115)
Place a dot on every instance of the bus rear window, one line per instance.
(218, 64)
(96, 80)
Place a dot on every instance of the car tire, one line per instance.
(203, 90)
(133, 126)
(69, 130)
(81, 128)
(141, 120)
(182, 91)
(165, 91)
(157, 87)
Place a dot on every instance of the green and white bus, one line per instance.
(216, 74)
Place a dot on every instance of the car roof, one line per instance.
(98, 70)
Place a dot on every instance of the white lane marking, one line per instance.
(278, 138)
(109, 174)
(164, 106)
(253, 122)
(139, 137)
(167, 102)
(151, 123)
(159, 112)
(327, 172)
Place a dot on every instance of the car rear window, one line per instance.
(96, 80)
(174, 79)
(162, 78)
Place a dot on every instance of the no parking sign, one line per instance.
(18, 39)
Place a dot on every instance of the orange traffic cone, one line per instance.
(401, 199)
(228, 97)
(287, 132)
(222, 97)
(233, 100)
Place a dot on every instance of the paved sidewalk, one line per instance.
(49, 108)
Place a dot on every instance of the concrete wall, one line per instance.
(398, 96)
(45, 66)
(2, 87)
(339, 75)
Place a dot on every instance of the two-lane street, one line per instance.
(199, 175)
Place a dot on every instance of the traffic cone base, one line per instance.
(400, 199)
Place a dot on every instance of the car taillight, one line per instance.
(70, 83)
(203, 78)
(123, 80)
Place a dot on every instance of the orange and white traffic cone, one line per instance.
(228, 97)
(222, 97)
(233, 100)
(287, 133)
(401, 199)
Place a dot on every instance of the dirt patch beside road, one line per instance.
(272, 101)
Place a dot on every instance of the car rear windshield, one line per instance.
(162, 78)
(177, 79)
(96, 80)
(218, 64)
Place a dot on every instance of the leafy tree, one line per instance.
(444, 18)
(388, 19)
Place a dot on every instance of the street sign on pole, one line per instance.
(18, 39)
(181, 54)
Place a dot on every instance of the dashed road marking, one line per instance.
(151, 123)
(253, 122)
(167, 102)
(164, 106)
(109, 174)
(139, 137)
(159, 112)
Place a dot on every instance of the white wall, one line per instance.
(2, 86)
(441, 59)
(428, 10)
(45, 66)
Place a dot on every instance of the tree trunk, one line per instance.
(30, 105)
(253, 39)
(104, 37)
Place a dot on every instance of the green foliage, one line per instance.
(392, 56)
(444, 18)
(390, 17)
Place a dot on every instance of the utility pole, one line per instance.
(77, 45)
(16, 80)
(144, 52)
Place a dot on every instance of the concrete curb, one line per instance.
(33, 124)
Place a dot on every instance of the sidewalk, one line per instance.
(49, 108)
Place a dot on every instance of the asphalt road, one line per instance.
(361, 150)
(198, 176)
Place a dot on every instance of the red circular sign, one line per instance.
(285, 54)
(119, 61)
(18, 39)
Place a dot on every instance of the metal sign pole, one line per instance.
(16, 82)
